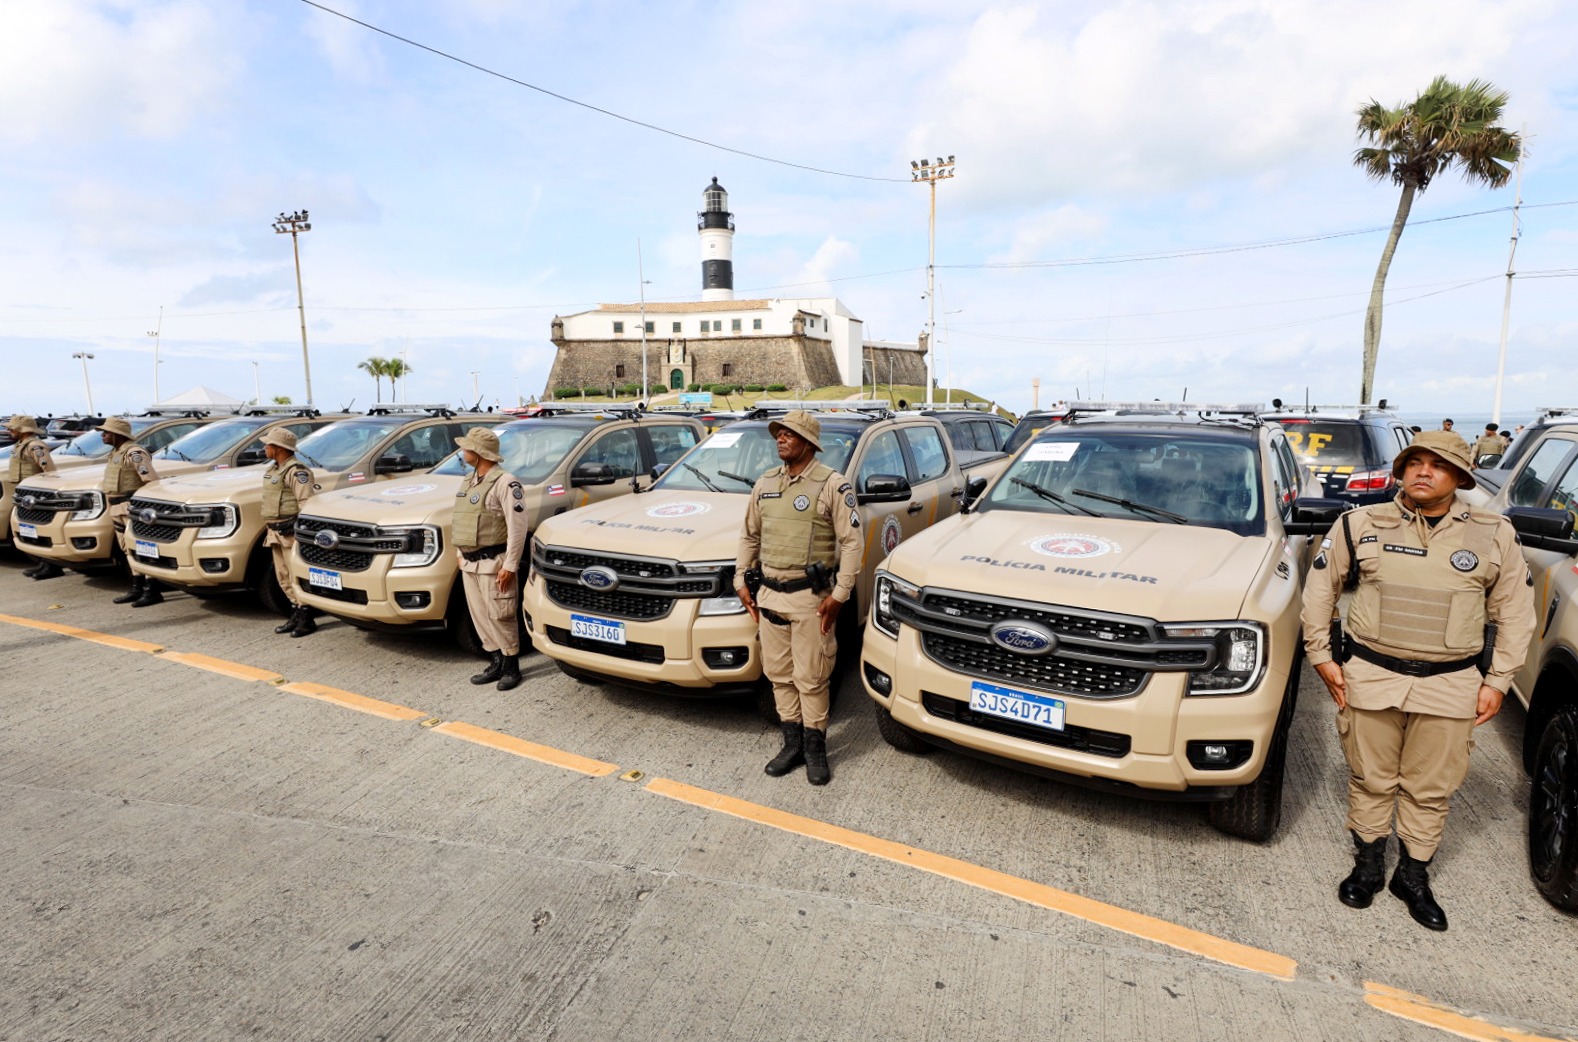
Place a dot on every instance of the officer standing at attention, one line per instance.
(1418, 669)
(1446, 425)
(287, 484)
(1489, 444)
(29, 456)
(489, 530)
(801, 528)
(128, 468)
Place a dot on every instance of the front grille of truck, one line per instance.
(639, 607)
(170, 519)
(647, 586)
(1080, 739)
(34, 515)
(1100, 655)
(652, 654)
(358, 544)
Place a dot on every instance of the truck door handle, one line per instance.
(956, 493)
(915, 507)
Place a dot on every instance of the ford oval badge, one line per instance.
(148, 515)
(29, 501)
(328, 538)
(599, 578)
(1024, 638)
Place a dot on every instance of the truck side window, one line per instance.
(670, 443)
(619, 450)
(425, 446)
(931, 459)
(883, 457)
(1537, 473)
(1288, 476)
(1564, 496)
(164, 436)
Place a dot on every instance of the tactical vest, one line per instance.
(120, 476)
(1488, 445)
(23, 465)
(793, 532)
(279, 490)
(473, 525)
(1424, 596)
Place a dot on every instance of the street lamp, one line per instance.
(85, 355)
(931, 173)
(642, 276)
(947, 335)
(291, 224)
(476, 395)
(154, 332)
(257, 386)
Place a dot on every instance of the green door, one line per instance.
(676, 379)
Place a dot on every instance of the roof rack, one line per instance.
(391, 408)
(1277, 405)
(878, 408)
(282, 410)
(1550, 412)
(1178, 408)
(605, 408)
(154, 410)
(946, 406)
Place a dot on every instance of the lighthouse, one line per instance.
(715, 224)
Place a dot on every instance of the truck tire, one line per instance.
(260, 576)
(897, 735)
(1553, 811)
(1254, 811)
(457, 622)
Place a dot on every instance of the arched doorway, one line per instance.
(676, 380)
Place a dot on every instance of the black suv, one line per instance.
(1350, 448)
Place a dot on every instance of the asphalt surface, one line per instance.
(194, 855)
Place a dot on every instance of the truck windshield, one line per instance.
(337, 446)
(91, 444)
(732, 459)
(207, 444)
(1158, 477)
(532, 450)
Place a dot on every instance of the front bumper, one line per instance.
(193, 562)
(382, 596)
(76, 544)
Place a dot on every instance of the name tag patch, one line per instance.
(1367, 539)
(1414, 551)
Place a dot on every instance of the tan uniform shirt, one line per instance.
(302, 486)
(1488, 445)
(136, 459)
(30, 456)
(836, 503)
(507, 499)
(1509, 603)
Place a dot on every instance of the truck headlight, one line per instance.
(882, 601)
(423, 544)
(94, 509)
(1240, 656)
(223, 521)
(730, 605)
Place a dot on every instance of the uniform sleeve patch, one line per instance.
(854, 519)
(519, 509)
(518, 493)
(846, 487)
(1319, 563)
(849, 499)
(303, 476)
(1366, 539)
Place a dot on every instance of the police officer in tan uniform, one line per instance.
(489, 532)
(128, 468)
(29, 456)
(1414, 677)
(287, 484)
(1488, 444)
(801, 528)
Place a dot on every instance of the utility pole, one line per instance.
(641, 274)
(86, 386)
(476, 395)
(291, 224)
(154, 332)
(931, 173)
(257, 386)
(1506, 300)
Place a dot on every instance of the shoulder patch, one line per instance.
(846, 487)
(1319, 563)
(1367, 538)
(303, 476)
(854, 519)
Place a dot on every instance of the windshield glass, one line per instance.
(1028, 428)
(92, 444)
(1081, 471)
(532, 450)
(339, 445)
(746, 450)
(1326, 444)
(207, 444)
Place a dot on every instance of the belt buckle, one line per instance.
(1416, 668)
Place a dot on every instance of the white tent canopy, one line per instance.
(201, 397)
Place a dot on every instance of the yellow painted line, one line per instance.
(1135, 924)
(1421, 1010)
(108, 640)
(351, 700)
(218, 665)
(530, 750)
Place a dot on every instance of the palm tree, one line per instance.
(1448, 124)
(396, 369)
(377, 368)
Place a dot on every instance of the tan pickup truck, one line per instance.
(64, 517)
(1120, 609)
(203, 532)
(376, 557)
(640, 591)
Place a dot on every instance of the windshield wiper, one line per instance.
(310, 461)
(1139, 508)
(702, 476)
(1048, 494)
(178, 452)
(736, 477)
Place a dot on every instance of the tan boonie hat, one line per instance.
(284, 438)
(801, 423)
(115, 425)
(483, 442)
(25, 424)
(1445, 444)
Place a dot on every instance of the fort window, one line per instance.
(619, 372)
(735, 325)
(756, 323)
(619, 327)
(728, 368)
(651, 327)
(676, 327)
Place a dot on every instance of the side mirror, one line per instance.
(885, 488)
(972, 492)
(1312, 516)
(393, 463)
(1544, 529)
(591, 474)
(659, 470)
(251, 458)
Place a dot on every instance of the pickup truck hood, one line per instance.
(424, 499)
(80, 479)
(1172, 573)
(680, 526)
(209, 486)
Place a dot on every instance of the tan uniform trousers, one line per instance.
(1408, 762)
(798, 658)
(120, 517)
(492, 613)
(280, 546)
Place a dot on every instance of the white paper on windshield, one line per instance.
(1051, 451)
(721, 440)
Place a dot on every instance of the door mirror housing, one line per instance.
(885, 488)
(972, 492)
(393, 463)
(1314, 516)
(591, 474)
(660, 469)
(251, 458)
(1544, 529)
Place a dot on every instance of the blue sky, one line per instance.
(150, 143)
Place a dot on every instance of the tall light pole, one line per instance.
(291, 224)
(947, 334)
(84, 356)
(931, 173)
(257, 386)
(154, 332)
(641, 274)
(476, 395)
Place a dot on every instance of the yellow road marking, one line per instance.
(234, 670)
(1135, 924)
(351, 700)
(123, 643)
(1421, 1010)
(530, 750)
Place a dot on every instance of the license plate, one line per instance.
(26, 530)
(1017, 705)
(146, 548)
(609, 631)
(324, 578)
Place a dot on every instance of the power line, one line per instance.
(594, 108)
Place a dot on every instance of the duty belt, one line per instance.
(790, 585)
(285, 527)
(484, 553)
(1406, 666)
(772, 616)
(117, 500)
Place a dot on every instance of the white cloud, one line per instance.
(1064, 226)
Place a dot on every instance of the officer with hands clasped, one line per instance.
(801, 539)
(128, 468)
(1440, 620)
(1489, 444)
(287, 484)
(29, 456)
(489, 530)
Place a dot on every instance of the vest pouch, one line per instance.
(1413, 617)
(1465, 627)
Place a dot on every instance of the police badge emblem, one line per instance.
(801, 502)
(1465, 560)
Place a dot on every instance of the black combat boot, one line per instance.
(1368, 875)
(510, 676)
(151, 594)
(817, 771)
(792, 754)
(305, 626)
(139, 584)
(49, 570)
(495, 667)
(1411, 885)
(292, 622)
